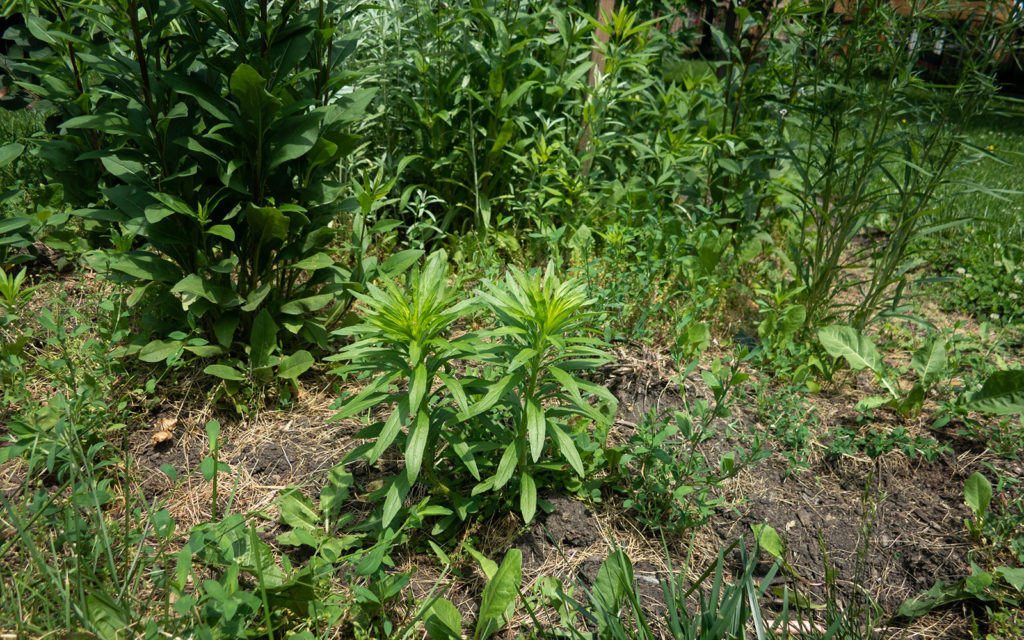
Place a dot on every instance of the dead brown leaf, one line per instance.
(165, 429)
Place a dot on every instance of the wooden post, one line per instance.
(605, 9)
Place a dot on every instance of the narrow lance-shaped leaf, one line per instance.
(391, 429)
(415, 446)
(568, 449)
(535, 427)
(527, 497)
(506, 467)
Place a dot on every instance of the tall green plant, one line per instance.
(871, 140)
(205, 139)
(469, 89)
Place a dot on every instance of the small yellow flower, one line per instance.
(991, 147)
(904, 121)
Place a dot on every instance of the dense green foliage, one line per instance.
(463, 207)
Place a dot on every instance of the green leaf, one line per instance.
(870, 403)
(494, 394)
(535, 430)
(397, 490)
(458, 393)
(790, 321)
(614, 581)
(254, 101)
(193, 286)
(213, 435)
(499, 597)
(914, 402)
(159, 350)
(372, 559)
(527, 497)
(268, 226)
(294, 365)
(850, 344)
(419, 433)
(930, 361)
(978, 494)
(391, 429)
(940, 594)
(1002, 394)
(397, 263)
(1014, 576)
(224, 328)
(336, 490)
(293, 137)
(488, 566)
(262, 339)
(222, 230)
(568, 449)
(208, 98)
(297, 510)
(506, 467)
(204, 350)
(443, 621)
(9, 152)
(37, 26)
(314, 262)
(257, 296)
(224, 372)
(307, 305)
(768, 539)
(417, 386)
(128, 170)
(146, 266)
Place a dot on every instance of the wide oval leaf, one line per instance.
(159, 350)
(224, 372)
(499, 595)
(850, 344)
(294, 365)
(1002, 394)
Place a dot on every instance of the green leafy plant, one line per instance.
(497, 603)
(870, 142)
(66, 562)
(1003, 586)
(995, 528)
(13, 293)
(708, 607)
(929, 362)
(790, 420)
(523, 403)
(210, 138)
(669, 482)
(977, 495)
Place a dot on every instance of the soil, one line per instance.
(892, 525)
(907, 514)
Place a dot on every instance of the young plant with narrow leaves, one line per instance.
(518, 411)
